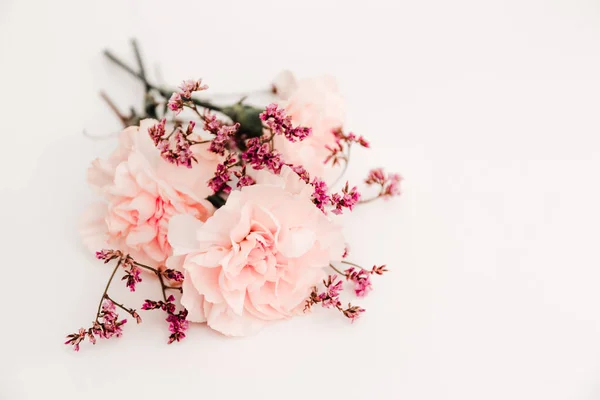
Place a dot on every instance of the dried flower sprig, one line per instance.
(178, 323)
(106, 323)
(276, 119)
(178, 99)
(341, 150)
(348, 198)
(360, 276)
(389, 184)
(329, 298)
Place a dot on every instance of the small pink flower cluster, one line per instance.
(178, 99)
(175, 147)
(340, 150)
(132, 277)
(258, 153)
(132, 272)
(222, 177)
(329, 298)
(389, 184)
(224, 135)
(281, 124)
(348, 198)
(362, 278)
(173, 275)
(105, 326)
(178, 323)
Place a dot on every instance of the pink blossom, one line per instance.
(257, 258)
(157, 131)
(178, 324)
(222, 176)
(361, 279)
(176, 103)
(141, 192)
(259, 156)
(353, 312)
(108, 255)
(190, 86)
(245, 180)
(389, 184)
(317, 104)
(320, 197)
(132, 277)
(173, 275)
(347, 199)
(279, 123)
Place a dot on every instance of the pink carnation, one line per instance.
(257, 258)
(141, 192)
(314, 103)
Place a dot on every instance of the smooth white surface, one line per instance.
(489, 110)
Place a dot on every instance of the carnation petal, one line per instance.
(192, 301)
(221, 318)
(182, 233)
(92, 227)
(140, 235)
(296, 241)
(206, 282)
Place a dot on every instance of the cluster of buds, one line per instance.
(179, 99)
(348, 197)
(258, 152)
(220, 181)
(132, 277)
(107, 255)
(132, 272)
(362, 278)
(178, 322)
(106, 325)
(279, 123)
(329, 298)
(175, 147)
(260, 155)
(389, 184)
(224, 134)
(173, 275)
(339, 151)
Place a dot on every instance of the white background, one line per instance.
(489, 109)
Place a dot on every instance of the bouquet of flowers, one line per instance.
(228, 211)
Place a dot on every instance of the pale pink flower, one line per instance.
(317, 104)
(141, 192)
(257, 258)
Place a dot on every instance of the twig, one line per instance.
(114, 109)
(163, 92)
(337, 270)
(138, 57)
(353, 264)
(106, 289)
(346, 162)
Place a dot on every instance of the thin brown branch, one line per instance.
(106, 289)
